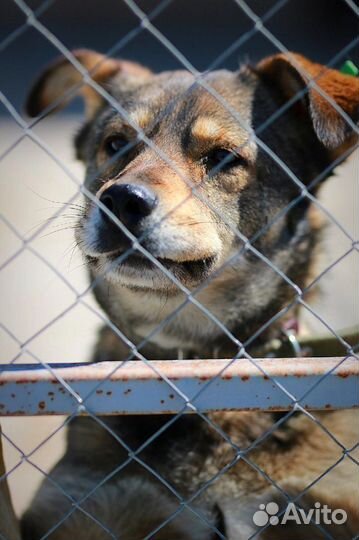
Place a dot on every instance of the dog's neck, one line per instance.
(215, 323)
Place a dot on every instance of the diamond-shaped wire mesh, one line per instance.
(210, 408)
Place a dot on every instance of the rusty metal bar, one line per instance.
(134, 388)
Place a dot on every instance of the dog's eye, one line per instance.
(221, 159)
(115, 144)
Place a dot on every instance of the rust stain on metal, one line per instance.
(184, 369)
(26, 399)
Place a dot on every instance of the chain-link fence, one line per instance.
(198, 224)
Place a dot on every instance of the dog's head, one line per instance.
(192, 168)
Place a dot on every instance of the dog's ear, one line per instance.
(294, 73)
(61, 81)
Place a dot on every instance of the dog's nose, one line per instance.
(130, 203)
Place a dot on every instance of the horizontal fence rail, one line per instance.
(135, 388)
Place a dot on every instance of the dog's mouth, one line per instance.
(120, 262)
(151, 262)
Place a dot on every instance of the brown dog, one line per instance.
(192, 188)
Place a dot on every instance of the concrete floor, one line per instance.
(32, 188)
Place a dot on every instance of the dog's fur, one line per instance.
(192, 233)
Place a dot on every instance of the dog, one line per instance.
(187, 181)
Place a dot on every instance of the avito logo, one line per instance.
(320, 515)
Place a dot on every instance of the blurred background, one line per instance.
(201, 30)
(34, 185)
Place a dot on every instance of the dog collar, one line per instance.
(290, 344)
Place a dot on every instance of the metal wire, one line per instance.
(146, 24)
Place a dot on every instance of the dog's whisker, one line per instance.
(193, 223)
(59, 230)
(71, 258)
(58, 203)
(66, 218)
(77, 267)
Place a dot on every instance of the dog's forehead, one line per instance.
(223, 95)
